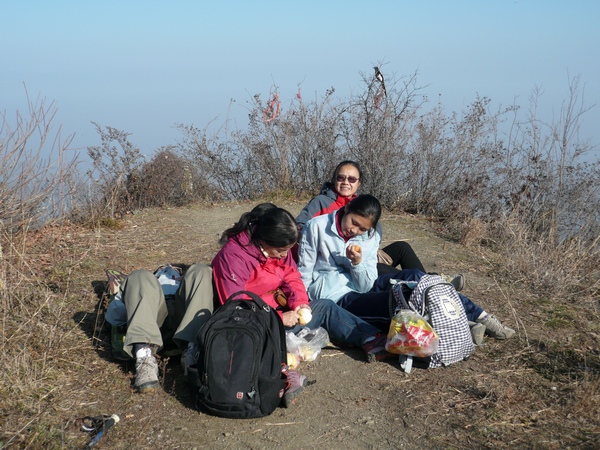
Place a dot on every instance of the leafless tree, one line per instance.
(36, 167)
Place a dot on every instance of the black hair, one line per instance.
(367, 206)
(347, 162)
(267, 223)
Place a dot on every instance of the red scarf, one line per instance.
(343, 201)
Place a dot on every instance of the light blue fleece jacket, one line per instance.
(325, 269)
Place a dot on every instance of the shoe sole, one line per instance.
(289, 400)
(147, 387)
(478, 333)
(500, 338)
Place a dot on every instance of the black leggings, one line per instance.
(402, 254)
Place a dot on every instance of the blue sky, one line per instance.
(144, 66)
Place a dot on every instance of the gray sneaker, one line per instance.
(146, 374)
(477, 332)
(458, 281)
(495, 328)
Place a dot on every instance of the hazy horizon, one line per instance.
(143, 67)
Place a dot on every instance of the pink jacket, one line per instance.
(240, 265)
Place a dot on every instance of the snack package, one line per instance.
(307, 344)
(410, 334)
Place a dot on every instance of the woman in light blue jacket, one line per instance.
(338, 261)
(333, 263)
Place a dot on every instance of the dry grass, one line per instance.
(539, 390)
(570, 270)
(473, 233)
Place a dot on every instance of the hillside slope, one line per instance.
(538, 390)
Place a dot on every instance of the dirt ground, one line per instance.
(521, 393)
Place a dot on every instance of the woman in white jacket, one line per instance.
(338, 261)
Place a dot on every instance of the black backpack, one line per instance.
(242, 354)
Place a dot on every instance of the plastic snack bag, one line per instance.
(410, 334)
(307, 344)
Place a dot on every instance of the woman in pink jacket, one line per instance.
(256, 257)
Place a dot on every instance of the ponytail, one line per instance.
(267, 223)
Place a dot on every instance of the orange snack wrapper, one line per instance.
(411, 335)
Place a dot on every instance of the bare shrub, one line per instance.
(297, 148)
(36, 184)
(166, 180)
(219, 161)
(546, 178)
(35, 169)
(473, 232)
(312, 133)
(123, 181)
(548, 198)
(115, 175)
(282, 149)
(38, 338)
(377, 130)
(450, 164)
(485, 173)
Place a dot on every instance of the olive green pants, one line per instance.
(147, 309)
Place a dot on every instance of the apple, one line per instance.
(292, 361)
(305, 316)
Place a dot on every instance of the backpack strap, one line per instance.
(425, 306)
(396, 299)
(255, 298)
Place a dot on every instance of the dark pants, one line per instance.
(374, 306)
(402, 255)
(342, 326)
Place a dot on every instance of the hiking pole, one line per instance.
(100, 424)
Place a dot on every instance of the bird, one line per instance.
(379, 77)
(378, 74)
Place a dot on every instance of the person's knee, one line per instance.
(141, 276)
(404, 246)
(322, 305)
(200, 270)
(397, 247)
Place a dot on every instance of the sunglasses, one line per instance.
(342, 178)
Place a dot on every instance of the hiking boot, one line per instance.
(146, 374)
(494, 328)
(294, 386)
(189, 358)
(477, 332)
(375, 349)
